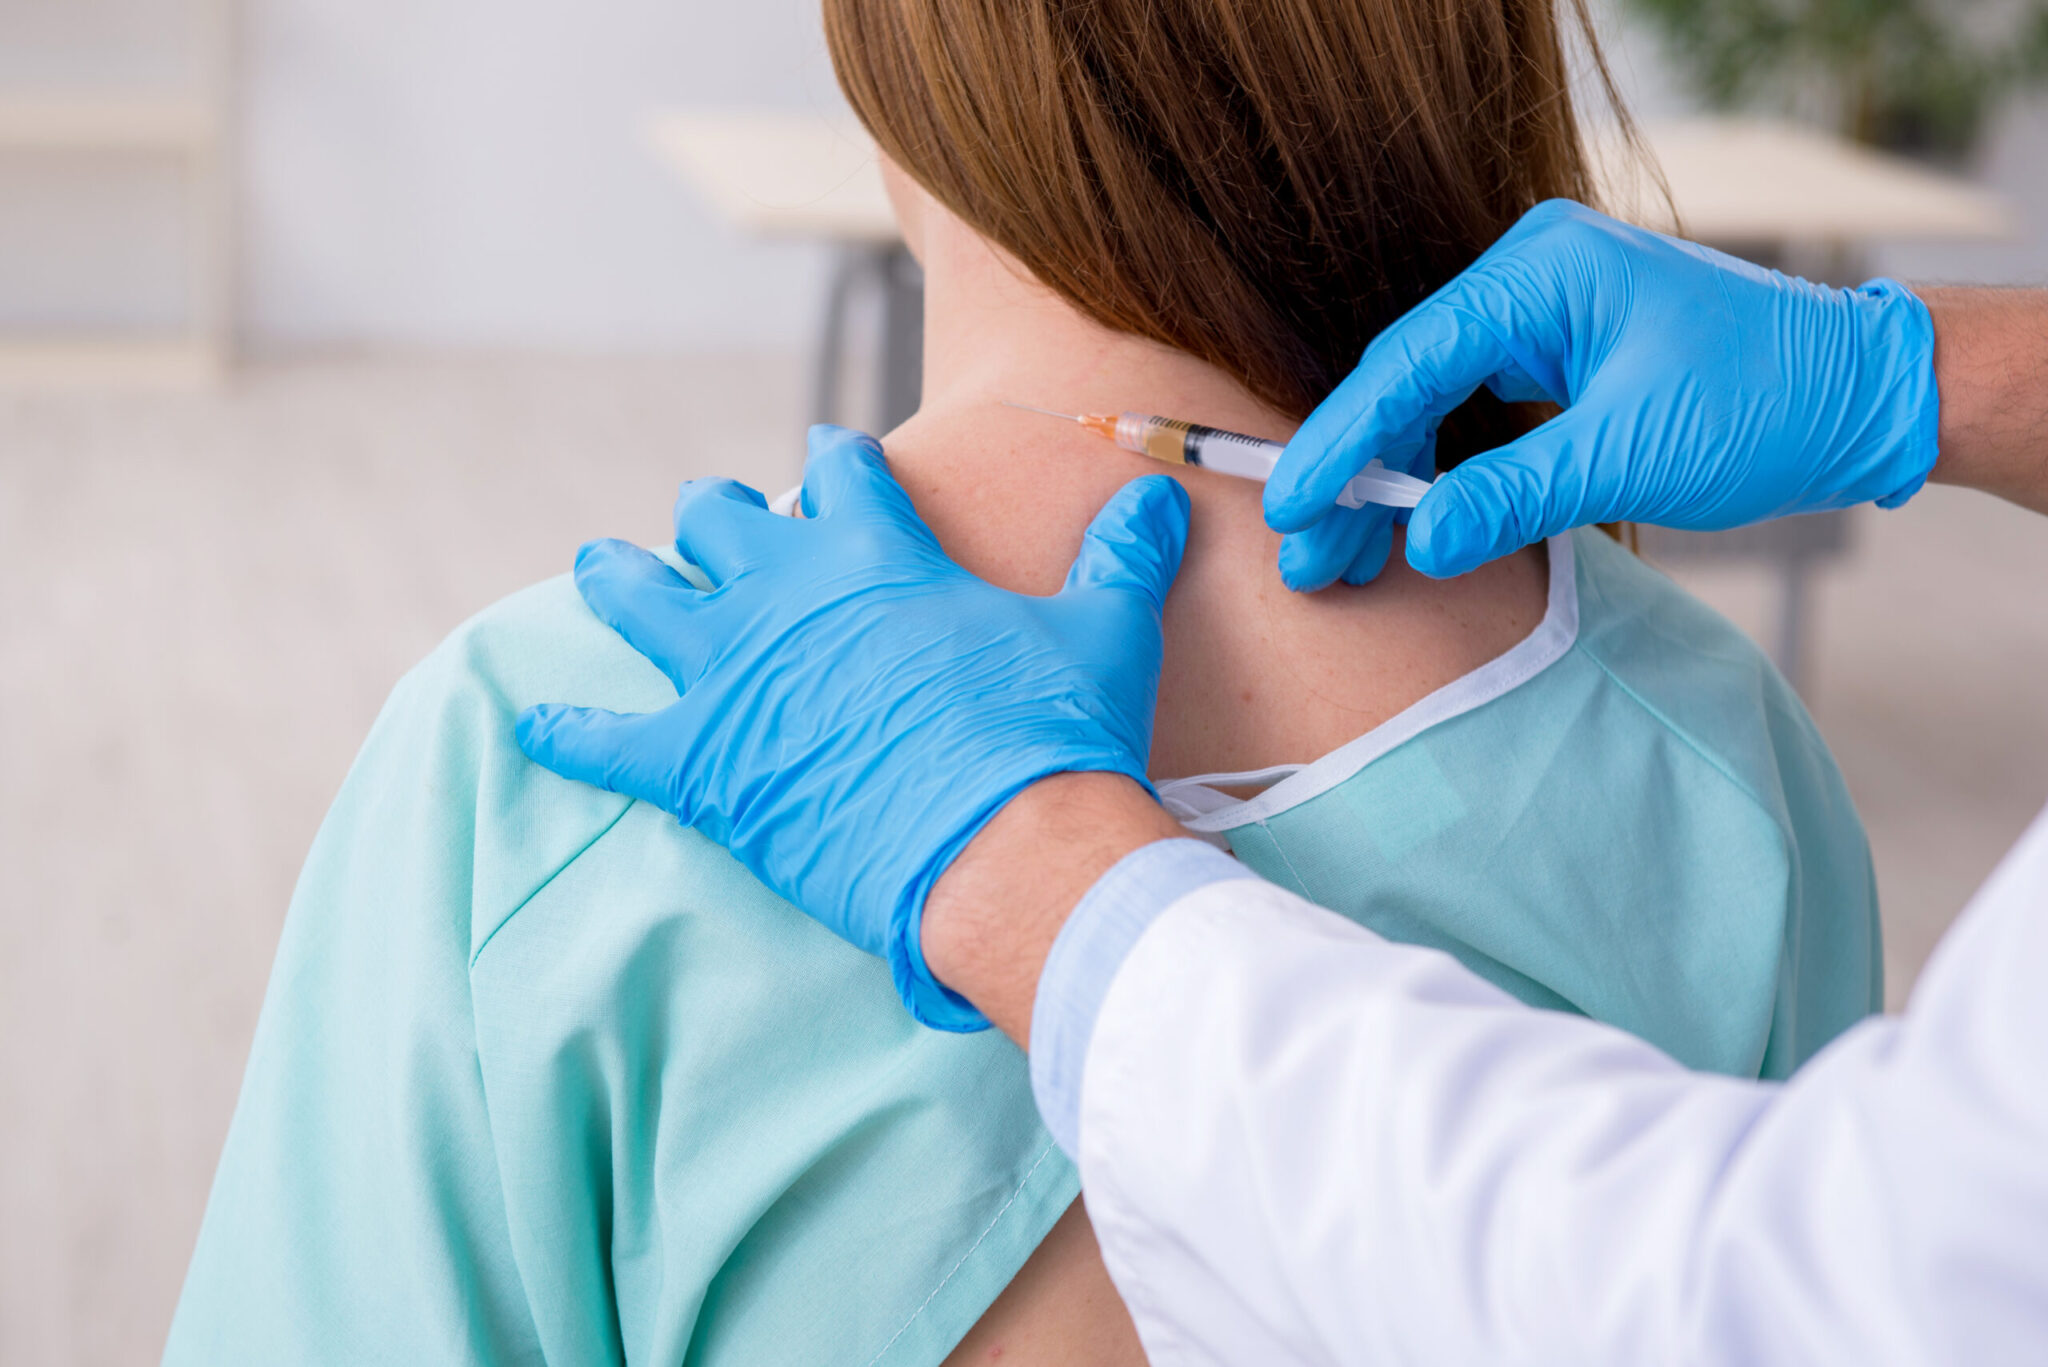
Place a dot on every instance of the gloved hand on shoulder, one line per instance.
(853, 705)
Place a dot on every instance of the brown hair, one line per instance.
(1263, 184)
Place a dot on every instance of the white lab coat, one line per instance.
(1303, 1144)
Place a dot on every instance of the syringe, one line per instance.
(1232, 453)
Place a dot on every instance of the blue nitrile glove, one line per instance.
(1700, 391)
(854, 706)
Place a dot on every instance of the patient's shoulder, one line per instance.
(541, 644)
(444, 747)
(1695, 672)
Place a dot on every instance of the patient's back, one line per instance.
(542, 1076)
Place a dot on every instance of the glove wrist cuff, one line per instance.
(929, 1001)
(1917, 396)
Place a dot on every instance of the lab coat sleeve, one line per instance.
(1301, 1143)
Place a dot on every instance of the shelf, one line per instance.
(85, 362)
(108, 122)
(188, 120)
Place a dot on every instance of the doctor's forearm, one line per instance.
(992, 917)
(1991, 364)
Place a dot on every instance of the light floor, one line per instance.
(204, 599)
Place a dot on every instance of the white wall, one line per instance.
(450, 173)
(455, 172)
(431, 172)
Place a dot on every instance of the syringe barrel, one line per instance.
(1187, 443)
(1160, 438)
(1233, 453)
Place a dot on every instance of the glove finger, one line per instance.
(618, 752)
(720, 526)
(1413, 374)
(1499, 501)
(1372, 557)
(1512, 384)
(656, 610)
(846, 472)
(1350, 544)
(1135, 543)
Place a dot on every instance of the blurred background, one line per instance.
(322, 326)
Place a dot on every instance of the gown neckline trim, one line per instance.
(1198, 805)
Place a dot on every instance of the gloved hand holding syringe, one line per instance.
(1233, 453)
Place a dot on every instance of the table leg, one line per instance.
(901, 381)
(849, 264)
(1795, 574)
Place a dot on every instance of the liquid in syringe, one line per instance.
(1178, 442)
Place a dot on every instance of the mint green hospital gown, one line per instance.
(543, 1077)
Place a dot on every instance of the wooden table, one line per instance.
(1752, 181)
(806, 178)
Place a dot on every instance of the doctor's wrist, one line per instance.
(992, 917)
(1991, 369)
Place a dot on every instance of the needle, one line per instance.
(1032, 408)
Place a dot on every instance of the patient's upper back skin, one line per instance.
(1255, 675)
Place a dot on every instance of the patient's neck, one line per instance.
(993, 334)
(1254, 675)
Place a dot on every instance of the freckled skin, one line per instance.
(1255, 674)
(1060, 1311)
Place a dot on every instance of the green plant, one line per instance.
(1911, 75)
